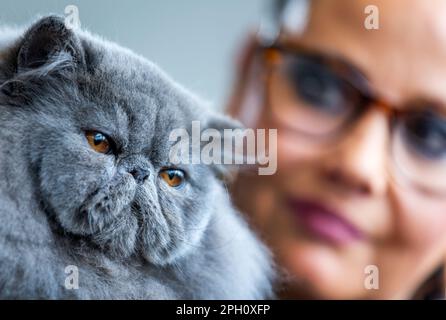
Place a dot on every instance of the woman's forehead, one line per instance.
(404, 58)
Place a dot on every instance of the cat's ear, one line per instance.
(46, 39)
(225, 170)
(221, 122)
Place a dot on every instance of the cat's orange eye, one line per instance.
(98, 141)
(173, 177)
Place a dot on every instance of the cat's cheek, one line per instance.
(107, 205)
(63, 194)
(97, 201)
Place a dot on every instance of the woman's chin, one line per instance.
(327, 272)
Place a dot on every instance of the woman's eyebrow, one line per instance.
(353, 71)
(429, 103)
(360, 77)
(355, 74)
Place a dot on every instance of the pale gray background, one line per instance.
(195, 41)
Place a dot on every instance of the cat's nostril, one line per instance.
(140, 175)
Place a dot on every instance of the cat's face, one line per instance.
(98, 119)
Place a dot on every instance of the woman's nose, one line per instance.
(358, 163)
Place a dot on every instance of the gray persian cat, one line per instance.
(86, 185)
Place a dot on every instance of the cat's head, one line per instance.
(95, 120)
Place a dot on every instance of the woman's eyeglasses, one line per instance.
(321, 97)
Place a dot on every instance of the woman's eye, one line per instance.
(426, 133)
(99, 142)
(319, 87)
(173, 177)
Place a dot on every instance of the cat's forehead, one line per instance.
(133, 78)
(119, 82)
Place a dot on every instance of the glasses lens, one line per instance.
(307, 95)
(419, 149)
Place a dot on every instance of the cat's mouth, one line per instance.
(123, 218)
(104, 208)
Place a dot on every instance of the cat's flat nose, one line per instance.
(140, 175)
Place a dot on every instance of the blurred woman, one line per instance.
(357, 208)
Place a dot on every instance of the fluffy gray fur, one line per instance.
(62, 203)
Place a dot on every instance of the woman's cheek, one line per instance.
(292, 148)
(421, 220)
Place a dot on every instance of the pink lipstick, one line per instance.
(323, 222)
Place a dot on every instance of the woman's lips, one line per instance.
(323, 223)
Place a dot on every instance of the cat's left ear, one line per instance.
(222, 122)
(224, 171)
(46, 39)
